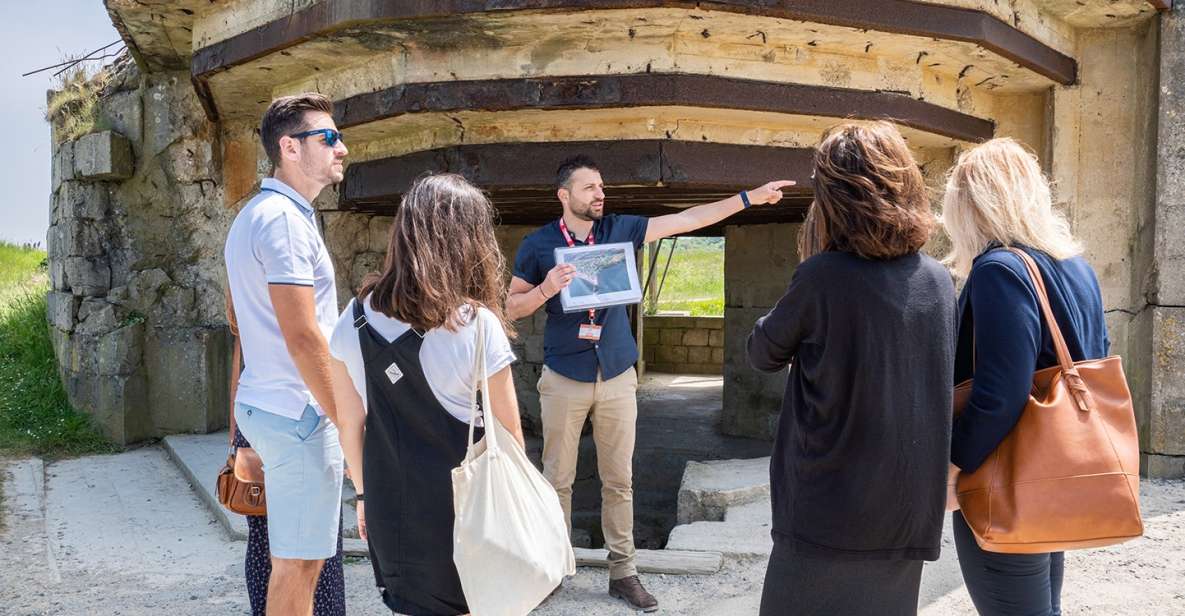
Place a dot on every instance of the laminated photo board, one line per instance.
(606, 275)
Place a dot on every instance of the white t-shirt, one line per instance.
(274, 240)
(447, 358)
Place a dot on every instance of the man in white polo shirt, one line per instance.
(285, 300)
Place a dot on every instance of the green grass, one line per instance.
(695, 280)
(35, 415)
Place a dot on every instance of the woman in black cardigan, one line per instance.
(996, 196)
(867, 328)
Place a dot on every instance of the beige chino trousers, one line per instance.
(612, 406)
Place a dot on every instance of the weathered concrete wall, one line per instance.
(1158, 334)
(629, 41)
(684, 345)
(135, 250)
(1103, 163)
(758, 263)
(357, 244)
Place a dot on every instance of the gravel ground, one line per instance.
(125, 535)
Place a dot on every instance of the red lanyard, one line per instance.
(588, 241)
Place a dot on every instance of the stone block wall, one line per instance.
(758, 263)
(135, 242)
(684, 345)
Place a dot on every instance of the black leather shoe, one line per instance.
(630, 590)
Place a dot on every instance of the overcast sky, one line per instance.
(33, 35)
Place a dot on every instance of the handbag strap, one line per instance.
(236, 365)
(481, 381)
(1075, 383)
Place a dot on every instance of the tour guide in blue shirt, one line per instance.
(588, 370)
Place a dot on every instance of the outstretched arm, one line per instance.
(701, 216)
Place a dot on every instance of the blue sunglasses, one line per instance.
(331, 136)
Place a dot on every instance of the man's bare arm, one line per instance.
(702, 216)
(524, 298)
(295, 308)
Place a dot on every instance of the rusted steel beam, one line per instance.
(894, 16)
(644, 176)
(652, 89)
(541, 207)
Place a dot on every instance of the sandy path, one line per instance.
(124, 534)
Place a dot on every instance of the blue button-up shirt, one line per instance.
(563, 350)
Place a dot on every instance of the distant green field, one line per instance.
(35, 416)
(695, 280)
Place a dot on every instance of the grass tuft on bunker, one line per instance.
(35, 416)
(73, 107)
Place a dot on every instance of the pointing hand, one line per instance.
(769, 193)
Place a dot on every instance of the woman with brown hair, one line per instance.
(867, 327)
(405, 351)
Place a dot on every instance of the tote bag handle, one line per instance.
(1076, 385)
(481, 381)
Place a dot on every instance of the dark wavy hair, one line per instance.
(442, 255)
(870, 198)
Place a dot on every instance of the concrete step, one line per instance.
(676, 562)
(757, 514)
(199, 456)
(732, 539)
(708, 489)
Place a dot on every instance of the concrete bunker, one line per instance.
(681, 102)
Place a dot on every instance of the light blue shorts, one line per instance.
(302, 474)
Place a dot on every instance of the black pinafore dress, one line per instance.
(411, 447)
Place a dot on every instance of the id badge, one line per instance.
(590, 332)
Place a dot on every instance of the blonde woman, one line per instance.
(996, 197)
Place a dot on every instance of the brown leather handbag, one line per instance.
(1067, 476)
(240, 480)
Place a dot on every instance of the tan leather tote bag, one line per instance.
(1067, 476)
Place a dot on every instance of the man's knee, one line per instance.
(616, 490)
(296, 568)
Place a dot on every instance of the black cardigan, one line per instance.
(859, 462)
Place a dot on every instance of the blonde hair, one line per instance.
(997, 193)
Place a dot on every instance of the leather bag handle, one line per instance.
(1074, 381)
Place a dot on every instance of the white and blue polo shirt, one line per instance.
(275, 240)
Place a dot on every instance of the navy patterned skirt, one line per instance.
(330, 596)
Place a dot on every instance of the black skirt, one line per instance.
(797, 585)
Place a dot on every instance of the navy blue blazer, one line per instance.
(1001, 320)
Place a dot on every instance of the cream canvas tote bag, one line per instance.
(511, 544)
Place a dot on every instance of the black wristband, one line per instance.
(359, 498)
(745, 199)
